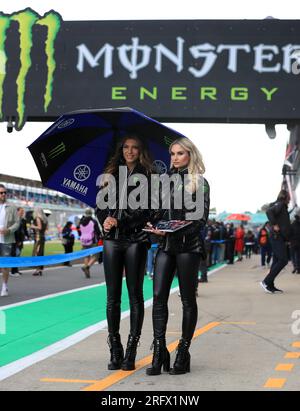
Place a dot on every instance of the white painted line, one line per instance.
(216, 269)
(46, 297)
(19, 365)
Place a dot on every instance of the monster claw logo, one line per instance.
(57, 151)
(168, 140)
(26, 19)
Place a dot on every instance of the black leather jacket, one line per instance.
(278, 214)
(187, 239)
(130, 221)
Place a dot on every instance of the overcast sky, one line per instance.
(243, 164)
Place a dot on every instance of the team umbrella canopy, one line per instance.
(73, 152)
(238, 217)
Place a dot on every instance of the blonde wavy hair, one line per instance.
(39, 213)
(195, 166)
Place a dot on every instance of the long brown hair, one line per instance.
(118, 158)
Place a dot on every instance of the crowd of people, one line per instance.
(28, 196)
(13, 233)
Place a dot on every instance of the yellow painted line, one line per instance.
(284, 367)
(68, 381)
(275, 383)
(206, 328)
(296, 344)
(120, 375)
(292, 355)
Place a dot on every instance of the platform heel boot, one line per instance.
(161, 357)
(128, 363)
(116, 352)
(182, 362)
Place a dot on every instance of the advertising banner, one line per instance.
(174, 70)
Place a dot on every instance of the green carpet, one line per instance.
(34, 326)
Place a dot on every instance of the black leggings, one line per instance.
(117, 256)
(187, 265)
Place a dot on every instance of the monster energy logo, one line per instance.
(57, 151)
(26, 19)
(168, 140)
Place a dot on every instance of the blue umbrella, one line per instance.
(73, 152)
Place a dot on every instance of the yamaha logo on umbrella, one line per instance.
(159, 166)
(66, 123)
(82, 172)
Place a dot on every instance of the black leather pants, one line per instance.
(280, 258)
(186, 265)
(117, 256)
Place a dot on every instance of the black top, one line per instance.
(187, 239)
(130, 221)
(22, 233)
(277, 214)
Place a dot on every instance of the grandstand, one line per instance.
(31, 193)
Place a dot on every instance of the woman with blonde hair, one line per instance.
(39, 227)
(179, 251)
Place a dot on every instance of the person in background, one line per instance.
(256, 247)
(265, 245)
(21, 234)
(89, 233)
(203, 266)
(100, 254)
(249, 243)
(208, 244)
(68, 240)
(230, 242)
(222, 229)
(216, 243)
(239, 241)
(151, 257)
(9, 223)
(279, 218)
(295, 244)
(39, 227)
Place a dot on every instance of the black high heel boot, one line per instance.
(161, 357)
(182, 362)
(116, 352)
(128, 363)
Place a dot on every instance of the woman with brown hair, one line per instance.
(125, 246)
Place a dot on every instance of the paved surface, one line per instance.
(245, 339)
(53, 280)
